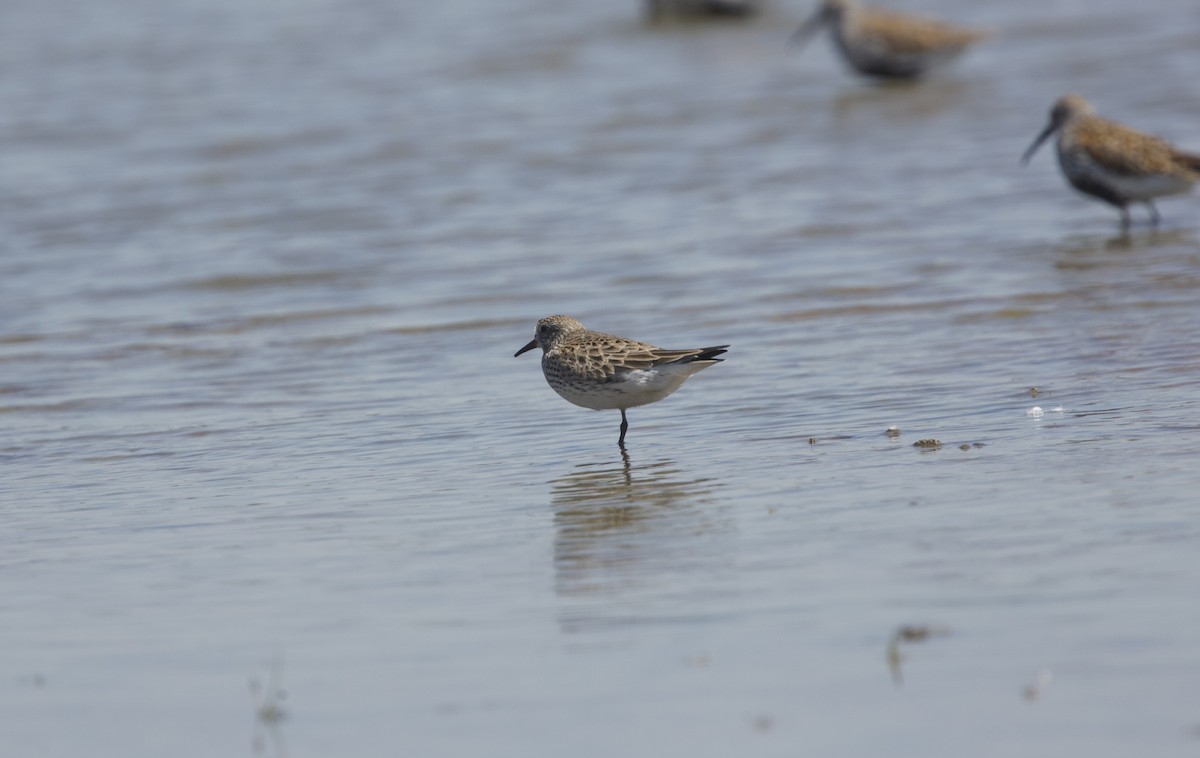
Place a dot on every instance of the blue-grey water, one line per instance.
(263, 267)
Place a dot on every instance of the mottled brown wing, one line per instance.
(913, 35)
(600, 356)
(1126, 151)
(630, 355)
(699, 354)
(604, 356)
(640, 356)
(646, 356)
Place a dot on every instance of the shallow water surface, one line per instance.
(264, 269)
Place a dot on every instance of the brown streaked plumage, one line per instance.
(887, 44)
(605, 372)
(1113, 163)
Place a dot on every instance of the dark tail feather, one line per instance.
(711, 353)
(1189, 160)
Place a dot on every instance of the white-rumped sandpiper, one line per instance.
(603, 372)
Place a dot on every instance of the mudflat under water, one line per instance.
(263, 267)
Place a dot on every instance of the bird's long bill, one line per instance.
(801, 36)
(1050, 127)
(532, 344)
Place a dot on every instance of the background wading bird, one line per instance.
(886, 44)
(1112, 162)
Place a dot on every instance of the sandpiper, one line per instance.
(603, 372)
(1112, 162)
(662, 9)
(886, 44)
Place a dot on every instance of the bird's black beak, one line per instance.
(1050, 127)
(532, 344)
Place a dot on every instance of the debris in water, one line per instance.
(1039, 686)
(908, 633)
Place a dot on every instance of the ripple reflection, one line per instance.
(632, 542)
(1124, 241)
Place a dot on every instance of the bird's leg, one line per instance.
(624, 428)
(1154, 217)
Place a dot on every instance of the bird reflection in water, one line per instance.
(1183, 237)
(269, 712)
(628, 536)
(1125, 241)
(896, 102)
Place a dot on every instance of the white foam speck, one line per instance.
(1035, 412)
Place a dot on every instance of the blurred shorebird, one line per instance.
(1112, 162)
(886, 44)
(603, 372)
(660, 9)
